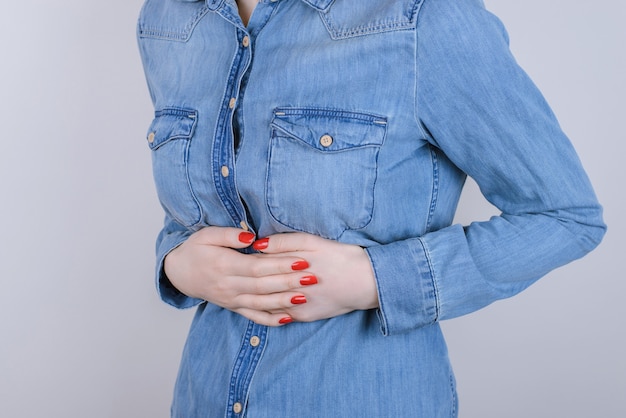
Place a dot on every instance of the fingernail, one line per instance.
(246, 237)
(298, 300)
(308, 280)
(286, 320)
(261, 244)
(299, 265)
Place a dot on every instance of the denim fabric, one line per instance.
(357, 121)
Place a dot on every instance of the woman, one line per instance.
(309, 156)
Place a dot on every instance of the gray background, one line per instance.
(82, 333)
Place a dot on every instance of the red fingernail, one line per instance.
(298, 300)
(299, 265)
(246, 237)
(286, 320)
(308, 280)
(261, 244)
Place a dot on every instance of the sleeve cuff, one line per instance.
(166, 290)
(407, 293)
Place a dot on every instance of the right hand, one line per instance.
(259, 287)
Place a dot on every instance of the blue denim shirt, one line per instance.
(357, 121)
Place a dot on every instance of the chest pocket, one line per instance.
(169, 138)
(323, 168)
(170, 20)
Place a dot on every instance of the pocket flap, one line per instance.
(329, 129)
(169, 124)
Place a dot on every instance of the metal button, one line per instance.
(326, 140)
(255, 341)
(232, 102)
(245, 41)
(244, 226)
(225, 171)
(237, 408)
(151, 137)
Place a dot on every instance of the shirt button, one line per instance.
(244, 226)
(225, 171)
(245, 41)
(232, 102)
(237, 408)
(151, 137)
(255, 341)
(326, 140)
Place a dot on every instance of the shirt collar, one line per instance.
(214, 4)
(320, 5)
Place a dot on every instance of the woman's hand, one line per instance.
(260, 287)
(345, 280)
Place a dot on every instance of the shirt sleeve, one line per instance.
(481, 110)
(170, 237)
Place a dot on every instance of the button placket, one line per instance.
(224, 158)
(250, 353)
(255, 337)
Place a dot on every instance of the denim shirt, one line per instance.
(357, 121)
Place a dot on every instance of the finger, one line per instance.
(275, 302)
(271, 319)
(276, 284)
(258, 265)
(287, 242)
(224, 237)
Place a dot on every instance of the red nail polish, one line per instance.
(246, 237)
(300, 265)
(308, 280)
(298, 300)
(286, 320)
(261, 244)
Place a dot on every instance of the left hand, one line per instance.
(345, 279)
